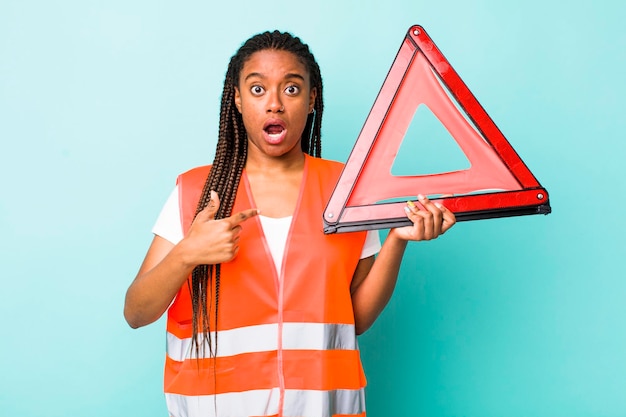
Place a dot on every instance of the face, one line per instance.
(274, 97)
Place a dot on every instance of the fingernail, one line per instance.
(420, 196)
(410, 204)
(438, 205)
(407, 210)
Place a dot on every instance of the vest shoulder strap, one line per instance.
(190, 186)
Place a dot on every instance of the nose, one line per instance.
(274, 103)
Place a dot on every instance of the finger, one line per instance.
(422, 221)
(431, 215)
(214, 204)
(428, 204)
(242, 216)
(235, 231)
(435, 210)
(449, 219)
(208, 212)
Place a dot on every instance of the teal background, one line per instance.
(103, 103)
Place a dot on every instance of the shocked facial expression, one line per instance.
(274, 97)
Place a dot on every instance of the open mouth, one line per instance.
(274, 130)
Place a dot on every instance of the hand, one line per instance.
(430, 220)
(211, 241)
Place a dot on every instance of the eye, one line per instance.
(292, 90)
(257, 90)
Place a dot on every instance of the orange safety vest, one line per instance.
(286, 344)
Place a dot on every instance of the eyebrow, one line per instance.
(288, 76)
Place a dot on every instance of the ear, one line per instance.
(312, 97)
(237, 99)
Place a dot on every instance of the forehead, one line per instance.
(273, 63)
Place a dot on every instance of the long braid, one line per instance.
(230, 158)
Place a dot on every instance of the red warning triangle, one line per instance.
(497, 183)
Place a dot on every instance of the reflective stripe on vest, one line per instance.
(286, 344)
(265, 403)
(264, 337)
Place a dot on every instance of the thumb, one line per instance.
(208, 213)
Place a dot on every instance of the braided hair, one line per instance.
(230, 159)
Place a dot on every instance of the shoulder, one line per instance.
(190, 186)
(194, 178)
(191, 183)
(325, 165)
(195, 174)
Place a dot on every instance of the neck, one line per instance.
(275, 182)
(262, 163)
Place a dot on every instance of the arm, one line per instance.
(374, 280)
(167, 266)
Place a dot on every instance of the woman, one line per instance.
(263, 308)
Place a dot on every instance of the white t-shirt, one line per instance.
(169, 227)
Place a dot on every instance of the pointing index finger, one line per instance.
(242, 216)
